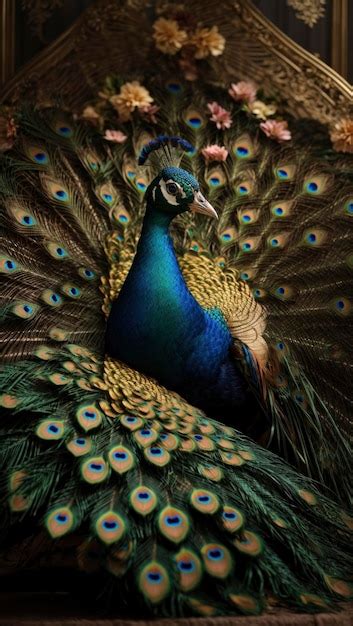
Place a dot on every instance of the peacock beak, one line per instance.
(201, 205)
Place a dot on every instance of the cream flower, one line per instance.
(115, 135)
(208, 41)
(168, 36)
(90, 114)
(243, 91)
(221, 117)
(215, 153)
(132, 96)
(276, 130)
(342, 136)
(261, 110)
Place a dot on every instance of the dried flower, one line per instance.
(132, 96)
(208, 41)
(89, 114)
(276, 130)
(261, 110)
(243, 91)
(215, 153)
(342, 135)
(168, 36)
(7, 131)
(221, 117)
(115, 135)
(149, 113)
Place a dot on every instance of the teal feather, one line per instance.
(186, 515)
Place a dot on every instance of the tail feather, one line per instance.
(188, 516)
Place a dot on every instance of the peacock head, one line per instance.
(174, 190)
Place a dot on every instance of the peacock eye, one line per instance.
(172, 188)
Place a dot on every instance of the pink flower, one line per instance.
(215, 153)
(243, 91)
(276, 130)
(149, 113)
(220, 116)
(115, 135)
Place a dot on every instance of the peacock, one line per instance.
(176, 360)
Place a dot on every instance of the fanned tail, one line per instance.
(186, 515)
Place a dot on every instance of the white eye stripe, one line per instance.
(171, 198)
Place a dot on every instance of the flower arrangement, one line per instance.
(177, 34)
(118, 103)
(341, 134)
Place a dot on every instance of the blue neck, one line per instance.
(154, 312)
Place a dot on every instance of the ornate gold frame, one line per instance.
(256, 48)
(7, 39)
(339, 44)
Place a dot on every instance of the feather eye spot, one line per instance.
(244, 276)
(274, 243)
(154, 582)
(94, 470)
(121, 459)
(52, 298)
(204, 501)
(110, 527)
(217, 560)
(278, 210)
(28, 220)
(250, 543)
(40, 157)
(50, 430)
(282, 173)
(143, 500)
(87, 273)
(64, 131)
(10, 265)
(349, 207)
(141, 185)
(57, 251)
(186, 566)
(243, 190)
(312, 187)
(259, 293)
(88, 417)
(59, 521)
(342, 306)
(241, 152)
(174, 87)
(214, 181)
(194, 122)
(61, 194)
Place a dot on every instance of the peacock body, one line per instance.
(121, 344)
